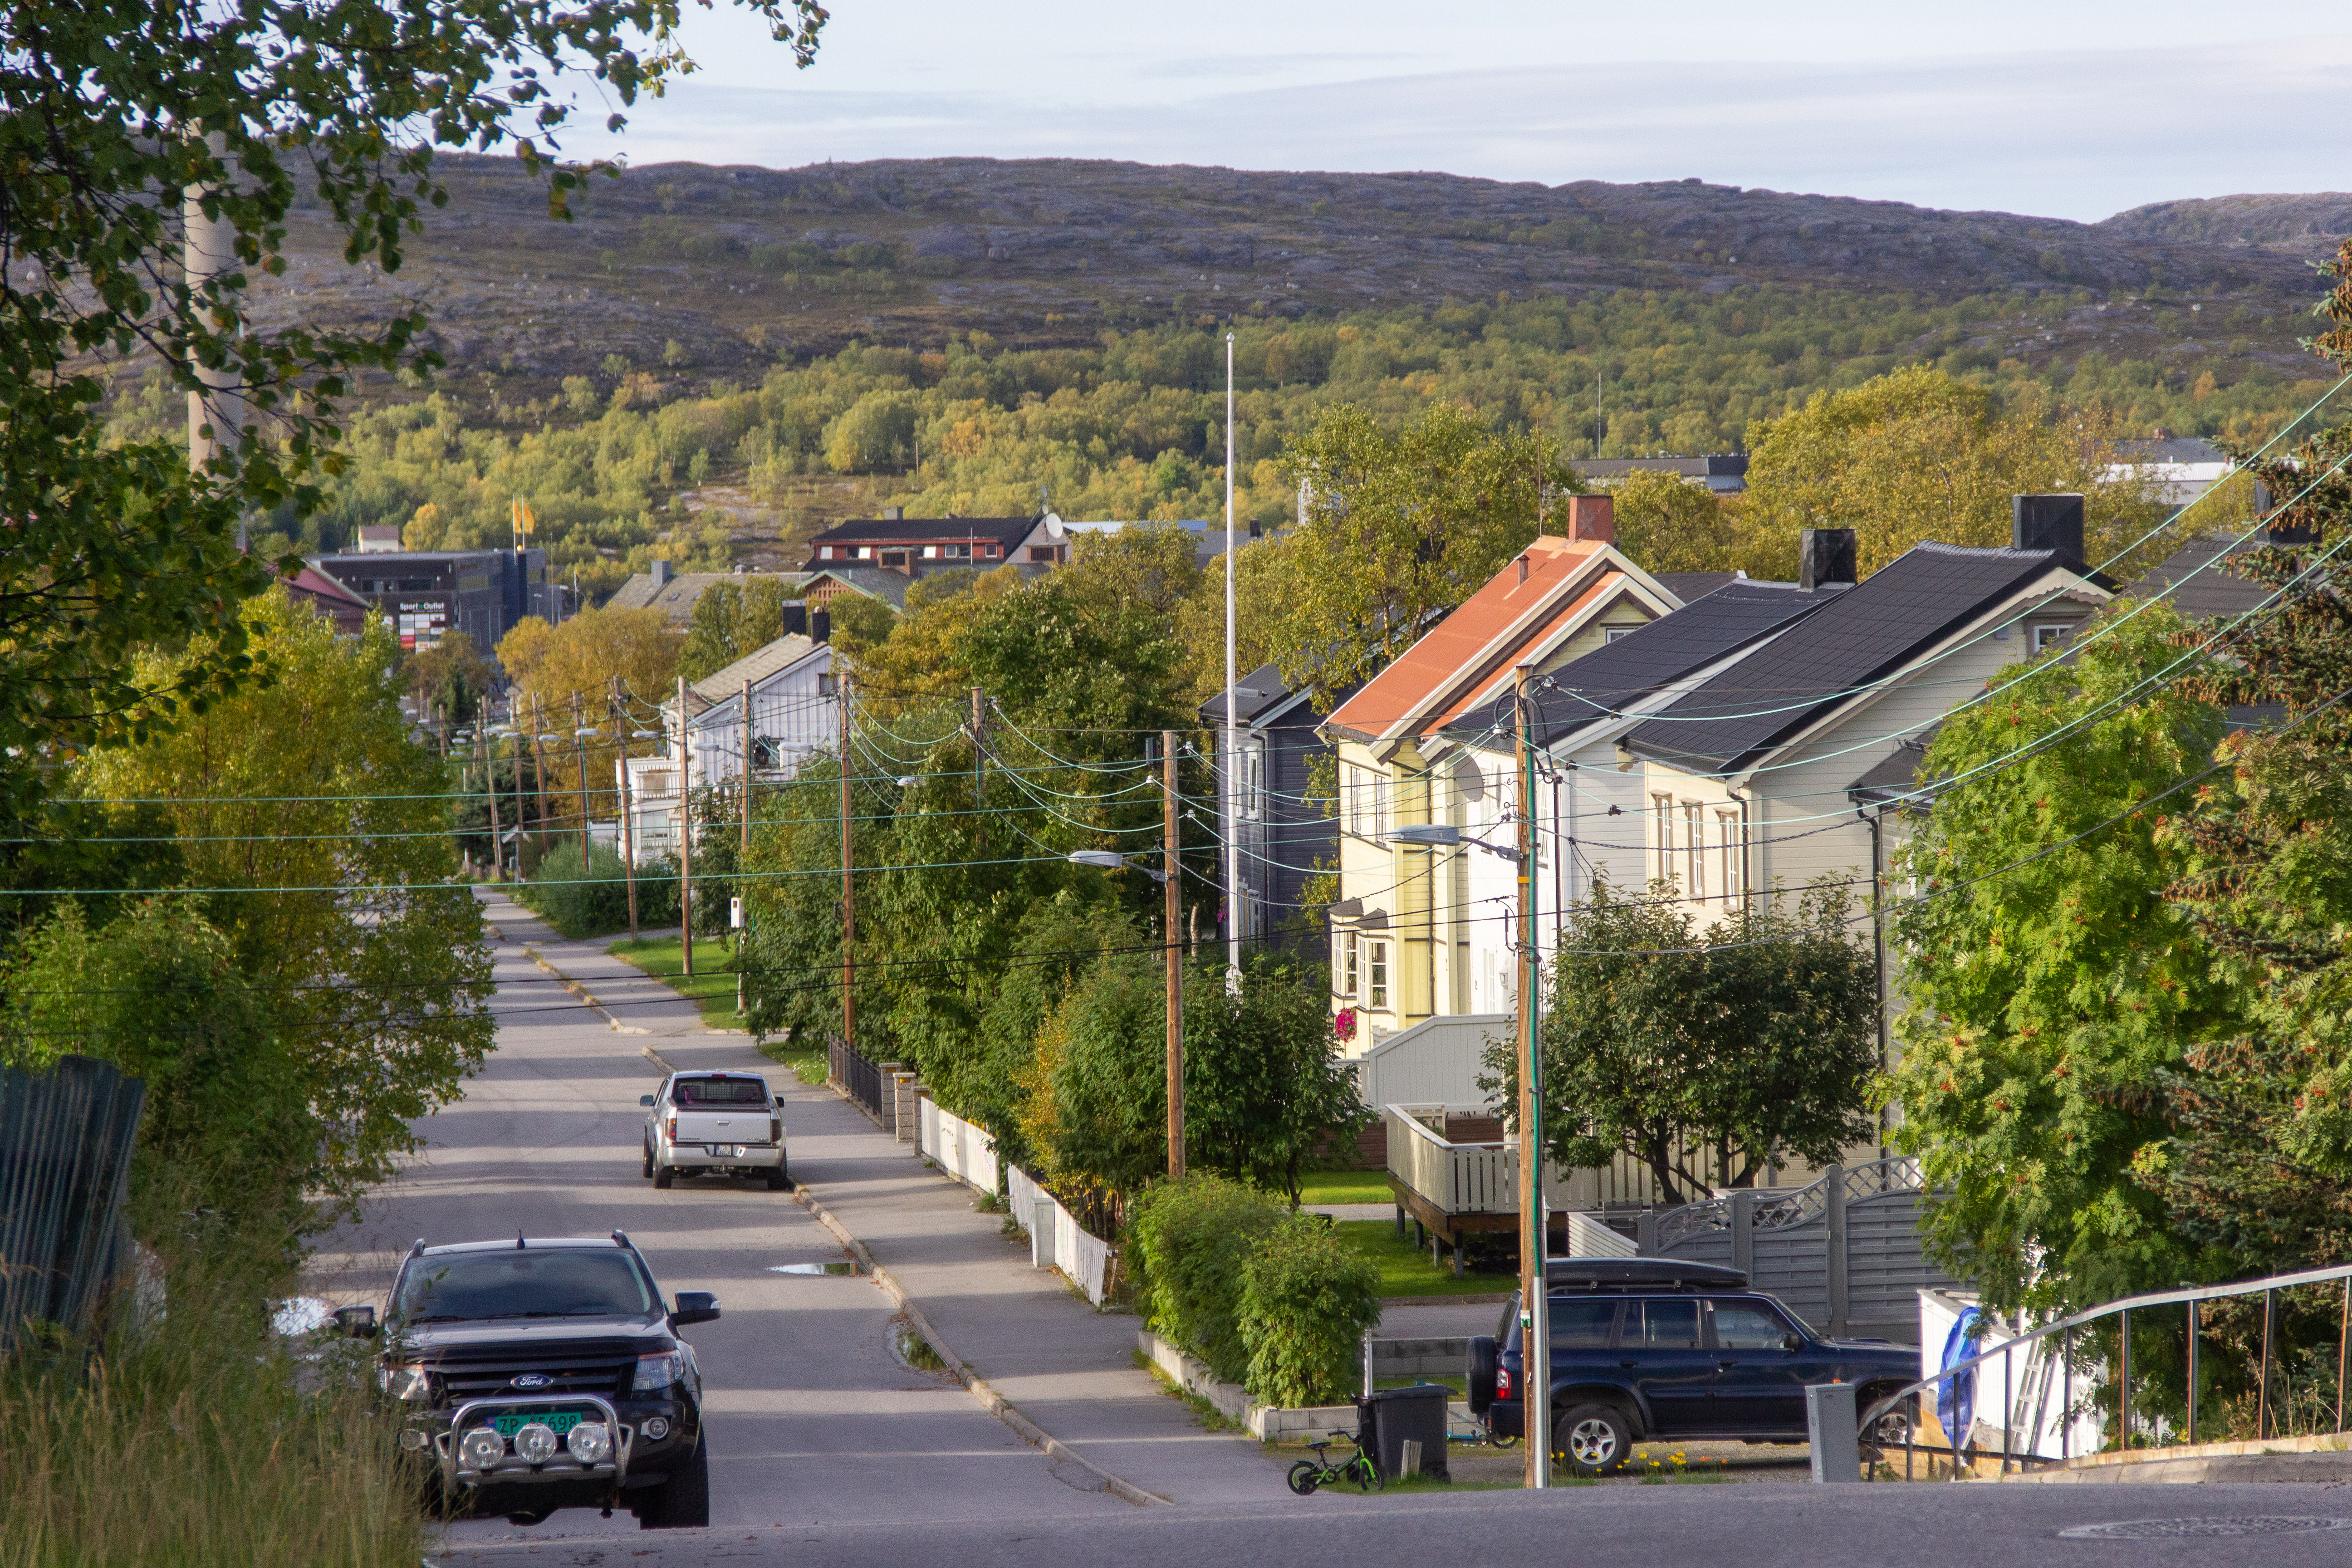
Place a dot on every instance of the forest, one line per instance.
(613, 463)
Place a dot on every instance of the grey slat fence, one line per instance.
(65, 1138)
(1844, 1251)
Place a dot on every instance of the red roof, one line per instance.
(1466, 657)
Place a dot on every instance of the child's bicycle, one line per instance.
(1357, 1466)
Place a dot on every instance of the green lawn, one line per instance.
(1345, 1188)
(712, 986)
(1406, 1270)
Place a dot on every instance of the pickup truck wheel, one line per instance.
(664, 1175)
(649, 1159)
(778, 1182)
(1592, 1439)
(683, 1502)
(1891, 1430)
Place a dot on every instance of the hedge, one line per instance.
(599, 904)
(1187, 1243)
(1307, 1300)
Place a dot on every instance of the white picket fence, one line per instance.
(958, 1148)
(1055, 1240)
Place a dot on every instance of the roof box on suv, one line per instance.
(1640, 1274)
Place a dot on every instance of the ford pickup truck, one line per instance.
(715, 1123)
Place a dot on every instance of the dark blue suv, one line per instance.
(1652, 1348)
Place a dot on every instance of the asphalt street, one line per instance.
(827, 1446)
(814, 1417)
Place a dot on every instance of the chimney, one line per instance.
(894, 514)
(1523, 568)
(2277, 531)
(796, 620)
(1593, 517)
(1825, 558)
(820, 626)
(660, 573)
(2052, 522)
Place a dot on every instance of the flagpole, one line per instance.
(1232, 755)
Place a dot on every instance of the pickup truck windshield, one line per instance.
(526, 1284)
(699, 1092)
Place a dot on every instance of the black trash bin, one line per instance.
(1390, 1419)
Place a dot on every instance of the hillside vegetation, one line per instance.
(713, 365)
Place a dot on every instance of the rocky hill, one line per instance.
(724, 268)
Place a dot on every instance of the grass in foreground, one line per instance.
(200, 1440)
(1406, 1270)
(711, 987)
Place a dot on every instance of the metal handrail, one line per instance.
(2189, 1296)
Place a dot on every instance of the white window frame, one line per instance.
(1349, 974)
(1376, 977)
(1661, 807)
(1694, 849)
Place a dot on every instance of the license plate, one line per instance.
(725, 1151)
(508, 1426)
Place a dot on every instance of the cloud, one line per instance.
(2075, 134)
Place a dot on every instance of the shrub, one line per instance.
(597, 903)
(1187, 1244)
(1307, 1301)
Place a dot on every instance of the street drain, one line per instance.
(812, 1269)
(2196, 1527)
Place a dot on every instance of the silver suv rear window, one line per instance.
(719, 1091)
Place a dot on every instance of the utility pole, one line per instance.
(628, 843)
(1169, 920)
(538, 769)
(1232, 751)
(745, 846)
(848, 885)
(684, 835)
(1534, 1336)
(979, 758)
(217, 414)
(518, 802)
(580, 756)
(490, 788)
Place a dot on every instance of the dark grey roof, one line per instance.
(1005, 531)
(1718, 465)
(1260, 691)
(2170, 449)
(1896, 775)
(2197, 581)
(1647, 661)
(874, 582)
(1864, 634)
(1689, 585)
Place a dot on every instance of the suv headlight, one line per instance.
(660, 1371)
(404, 1381)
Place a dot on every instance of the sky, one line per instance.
(2073, 109)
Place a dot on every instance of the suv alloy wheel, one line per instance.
(1592, 1439)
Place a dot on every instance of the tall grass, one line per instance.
(201, 1437)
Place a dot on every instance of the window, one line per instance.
(1693, 851)
(1581, 1323)
(1747, 1326)
(698, 1091)
(2048, 637)
(1662, 1325)
(1041, 553)
(1616, 632)
(1379, 976)
(1662, 807)
(1253, 778)
(1350, 946)
(1380, 824)
(1728, 856)
(894, 558)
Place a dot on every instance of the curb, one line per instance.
(581, 991)
(977, 1386)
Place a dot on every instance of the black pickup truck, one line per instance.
(1646, 1348)
(540, 1374)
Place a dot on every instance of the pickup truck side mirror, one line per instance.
(694, 1307)
(1793, 1342)
(356, 1323)
(645, 1100)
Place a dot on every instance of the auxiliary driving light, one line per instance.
(589, 1441)
(655, 1429)
(535, 1442)
(483, 1448)
(414, 1440)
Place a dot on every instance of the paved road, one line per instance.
(1965, 1526)
(813, 1419)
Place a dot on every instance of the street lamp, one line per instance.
(1444, 835)
(1112, 860)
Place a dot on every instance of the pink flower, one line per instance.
(1343, 1023)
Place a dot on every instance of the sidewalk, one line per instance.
(1042, 1347)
